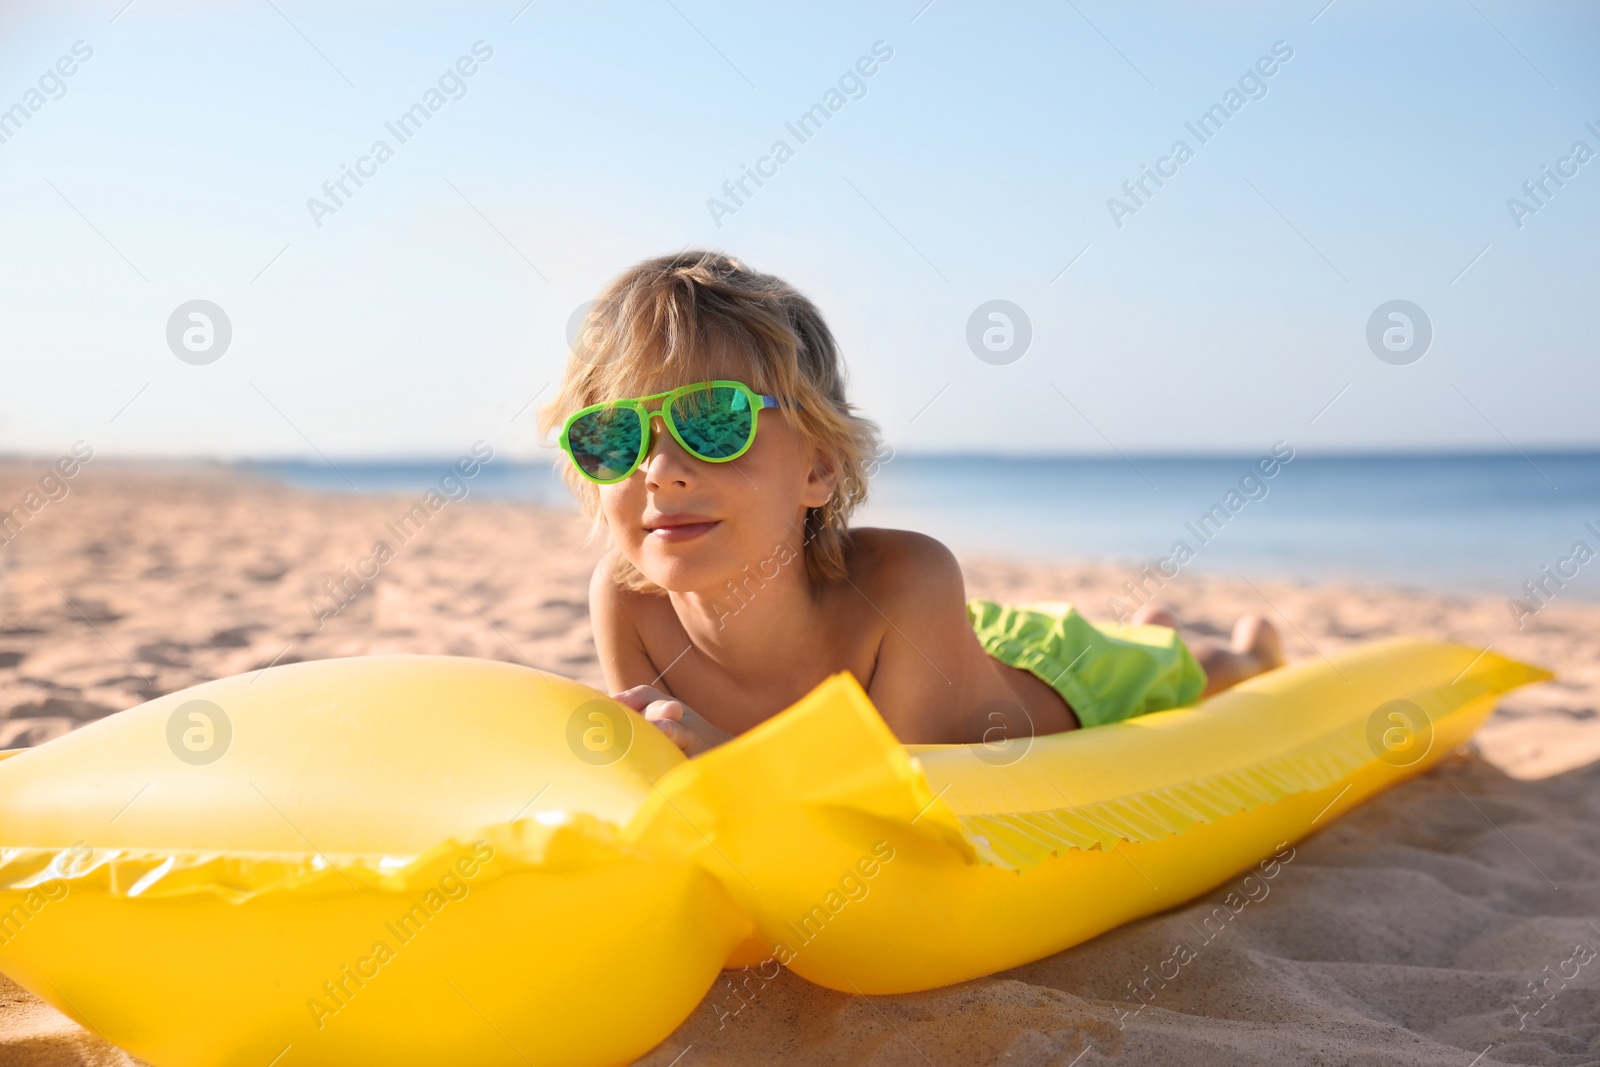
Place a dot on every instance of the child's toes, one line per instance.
(1150, 615)
(1255, 637)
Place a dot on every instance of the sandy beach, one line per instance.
(1411, 931)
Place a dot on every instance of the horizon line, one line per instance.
(400, 459)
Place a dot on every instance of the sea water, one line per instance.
(1478, 523)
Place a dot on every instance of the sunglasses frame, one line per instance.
(640, 404)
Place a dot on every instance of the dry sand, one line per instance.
(1400, 934)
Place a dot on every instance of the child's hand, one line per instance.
(681, 723)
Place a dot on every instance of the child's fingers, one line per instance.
(672, 710)
(669, 715)
(639, 697)
(674, 731)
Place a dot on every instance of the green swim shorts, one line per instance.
(1105, 672)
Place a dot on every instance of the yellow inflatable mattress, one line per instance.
(415, 860)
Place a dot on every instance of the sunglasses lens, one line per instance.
(715, 422)
(605, 443)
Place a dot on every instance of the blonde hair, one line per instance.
(662, 319)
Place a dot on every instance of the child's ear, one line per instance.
(821, 481)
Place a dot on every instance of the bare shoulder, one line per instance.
(619, 618)
(605, 591)
(903, 566)
(930, 667)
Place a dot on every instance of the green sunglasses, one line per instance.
(713, 421)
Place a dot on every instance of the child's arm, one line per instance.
(623, 658)
(630, 676)
(683, 726)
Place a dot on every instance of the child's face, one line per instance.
(753, 505)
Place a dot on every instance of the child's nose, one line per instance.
(666, 460)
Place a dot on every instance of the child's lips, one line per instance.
(683, 532)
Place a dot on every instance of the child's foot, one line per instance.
(1255, 639)
(1253, 650)
(1150, 615)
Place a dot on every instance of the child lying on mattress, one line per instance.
(704, 416)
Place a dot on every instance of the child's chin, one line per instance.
(679, 575)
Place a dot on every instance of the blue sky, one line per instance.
(1228, 311)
